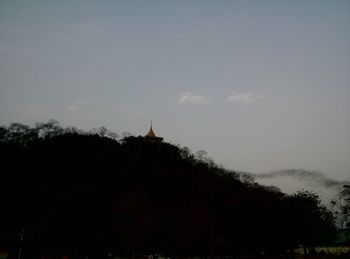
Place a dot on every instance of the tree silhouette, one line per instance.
(342, 211)
(84, 193)
(309, 222)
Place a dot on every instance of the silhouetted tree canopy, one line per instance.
(84, 192)
(342, 211)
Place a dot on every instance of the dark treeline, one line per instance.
(82, 193)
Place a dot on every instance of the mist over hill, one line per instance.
(292, 180)
(314, 177)
(77, 192)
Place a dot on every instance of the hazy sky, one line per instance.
(260, 85)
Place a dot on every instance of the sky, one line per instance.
(259, 85)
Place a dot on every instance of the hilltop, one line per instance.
(76, 192)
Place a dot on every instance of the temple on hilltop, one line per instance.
(152, 136)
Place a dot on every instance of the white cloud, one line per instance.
(241, 17)
(76, 106)
(140, 113)
(92, 29)
(244, 98)
(189, 97)
(35, 114)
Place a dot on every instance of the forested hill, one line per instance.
(79, 192)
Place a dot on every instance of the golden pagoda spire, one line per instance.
(150, 133)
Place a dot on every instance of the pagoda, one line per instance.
(152, 136)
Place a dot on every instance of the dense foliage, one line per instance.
(341, 205)
(70, 191)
